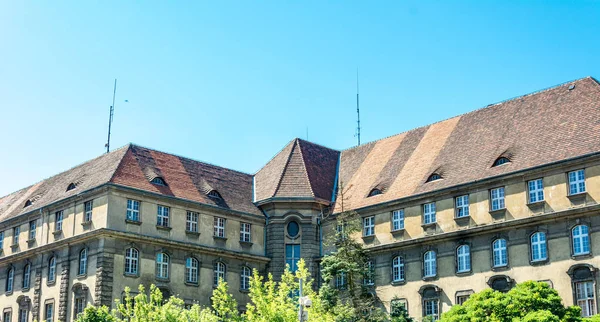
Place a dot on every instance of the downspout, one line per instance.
(265, 230)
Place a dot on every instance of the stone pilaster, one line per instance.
(63, 299)
(104, 279)
(37, 293)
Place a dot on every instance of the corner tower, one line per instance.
(293, 189)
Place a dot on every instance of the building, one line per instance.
(498, 196)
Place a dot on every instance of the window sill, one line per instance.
(246, 243)
(429, 225)
(8, 293)
(539, 262)
(244, 291)
(81, 276)
(397, 232)
(500, 268)
(194, 234)
(162, 279)
(498, 213)
(430, 278)
(25, 289)
(51, 283)
(218, 238)
(536, 203)
(578, 195)
(369, 238)
(167, 228)
(192, 284)
(131, 275)
(464, 273)
(57, 232)
(463, 219)
(582, 256)
(398, 283)
(133, 222)
(86, 223)
(30, 241)
(14, 246)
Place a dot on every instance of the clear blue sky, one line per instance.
(231, 83)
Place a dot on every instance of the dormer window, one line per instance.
(71, 186)
(158, 181)
(27, 203)
(214, 194)
(501, 161)
(434, 177)
(375, 192)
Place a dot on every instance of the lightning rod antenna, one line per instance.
(357, 110)
(110, 117)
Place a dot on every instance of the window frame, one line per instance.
(578, 182)
(32, 229)
(219, 271)
(163, 218)
(82, 262)
(52, 270)
(461, 209)
(369, 278)
(191, 224)
(131, 213)
(502, 250)
(501, 200)
(467, 262)
(574, 253)
(9, 286)
(245, 275)
(26, 282)
(163, 262)
(429, 213)
(293, 258)
(16, 233)
(192, 269)
(429, 264)
(398, 269)
(594, 305)
(51, 317)
(542, 247)
(536, 191)
(59, 216)
(219, 225)
(88, 211)
(397, 220)
(245, 232)
(369, 226)
(134, 262)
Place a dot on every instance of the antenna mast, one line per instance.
(357, 110)
(110, 117)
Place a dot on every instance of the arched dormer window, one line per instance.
(214, 194)
(501, 161)
(158, 181)
(375, 192)
(71, 186)
(27, 203)
(434, 177)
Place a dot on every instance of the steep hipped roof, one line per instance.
(300, 169)
(532, 130)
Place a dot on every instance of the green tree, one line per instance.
(528, 301)
(398, 312)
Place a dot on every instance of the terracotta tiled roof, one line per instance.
(300, 169)
(532, 130)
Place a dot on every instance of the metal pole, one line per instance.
(300, 306)
(110, 117)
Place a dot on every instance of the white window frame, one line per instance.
(398, 273)
(429, 213)
(462, 206)
(581, 239)
(26, 276)
(431, 308)
(585, 297)
(497, 199)
(576, 182)
(16, 233)
(191, 270)
(463, 258)
(88, 209)
(245, 232)
(219, 227)
(461, 299)
(292, 257)
(245, 278)
(539, 246)
(83, 254)
(32, 229)
(1, 239)
(59, 216)
(500, 252)
(132, 256)
(10, 280)
(162, 265)
(369, 226)
(22, 315)
(79, 305)
(191, 221)
(430, 264)
(397, 220)
(535, 190)
(340, 280)
(220, 271)
(52, 269)
(369, 278)
(133, 210)
(49, 313)
(162, 216)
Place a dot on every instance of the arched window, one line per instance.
(375, 192)
(83, 262)
(10, 280)
(434, 177)
(214, 194)
(162, 265)
(191, 270)
(27, 203)
(429, 264)
(398, 269)
(26, 276)
(131, 261)
(581, 240)
(158, 181)
(52, 269)
(538, 247)
(219, 273)
(71, 186)
(501, 161)
(500, 254)
(463, 258)
(245, 278)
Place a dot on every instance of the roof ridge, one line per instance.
(191, 159)
(478, 109)
(287, 162)
(310, 184)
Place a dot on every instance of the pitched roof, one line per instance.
(532, 130)
(300, 169)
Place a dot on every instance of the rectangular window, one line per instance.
(133, 210)
(535, 190)
(191, 222)
(16, 232)
(461, 299)
(398, 219)
(292, 256)
(219, 227)
(79, 305)
(576, 182)
(22, 315)
(49, 312)
(162, 216)
(58, 220)
(7, 316)
(340, 280)
(497, 196)
(369, 278)
(431, 308)
(245, 229)
(369, 226)
(32, 227)
(1, 240)
(586, 298)
(462, 206)
(429, 213)
(88, 207)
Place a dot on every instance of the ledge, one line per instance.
(244, 291)
(536, 204)
(163, 227)
(582, 256)
(51, 283)
(463, 219)
(539, 262)
(191, 284)
(86, 223)
(217, 238)
(14, 246)
(133, 222)
(430, 225)
(57, 232)
(397, 232)
(498, 213)
(430, 278)
(81, 276)
(578, 196)
(131, 275)
(465, 273)
(162, 279)
(194, 234)
(30, 241)
(8, 293)
(500, 268)
(398, 283)
(369, 238)
(246, 243)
